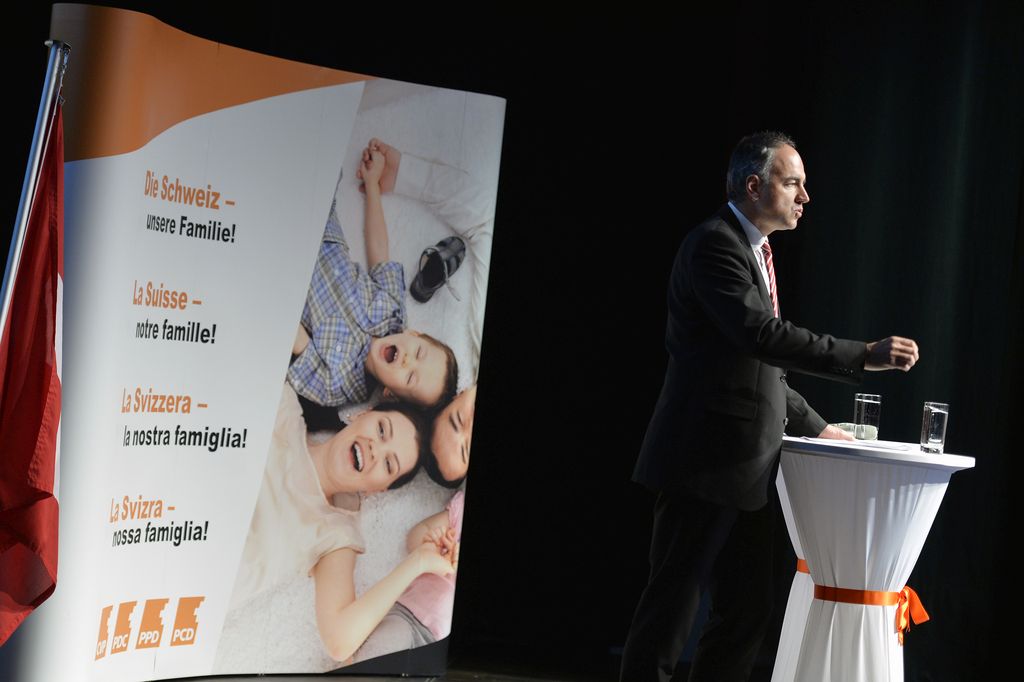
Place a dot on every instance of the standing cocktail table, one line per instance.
(861, 512)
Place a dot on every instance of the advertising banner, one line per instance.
(275, 278)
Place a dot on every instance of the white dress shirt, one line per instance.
(757, 241)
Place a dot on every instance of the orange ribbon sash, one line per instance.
(908, 604)
(801, 566)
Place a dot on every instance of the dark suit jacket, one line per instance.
(717, 428)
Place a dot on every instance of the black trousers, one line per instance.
(695, 545)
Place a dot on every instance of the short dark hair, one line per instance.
(434, 471)
(423, 432)
(753, 155)
(451, 375)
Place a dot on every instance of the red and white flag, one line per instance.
(30, 357)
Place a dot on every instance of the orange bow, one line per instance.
(908, 604)
(909, 607)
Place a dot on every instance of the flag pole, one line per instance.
(56, 66)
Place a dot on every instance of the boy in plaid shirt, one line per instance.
(352, 335)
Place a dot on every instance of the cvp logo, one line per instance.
(101, 643)
(150, 627)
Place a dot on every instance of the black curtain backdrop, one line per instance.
(617, 135)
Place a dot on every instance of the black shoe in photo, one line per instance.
(437, 265)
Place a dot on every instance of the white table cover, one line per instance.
(861, 512)
(801, 594)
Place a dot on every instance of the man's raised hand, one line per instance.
(894, 352)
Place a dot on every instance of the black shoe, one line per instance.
(437, 265)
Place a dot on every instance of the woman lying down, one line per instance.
(297, 528)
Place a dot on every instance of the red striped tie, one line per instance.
(766, 249)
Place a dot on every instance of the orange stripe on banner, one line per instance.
(134, 77)
(908, 604)
(801, 566)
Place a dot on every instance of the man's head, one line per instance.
(414, 367)
(766, 181)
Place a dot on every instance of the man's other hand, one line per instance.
(894, 352)
(835, 433)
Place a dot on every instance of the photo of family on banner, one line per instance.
(353, 548)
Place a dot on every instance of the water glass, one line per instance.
(933, 427)
(867, 410)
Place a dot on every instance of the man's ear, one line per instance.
(753, 187)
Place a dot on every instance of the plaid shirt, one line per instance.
(345, 309)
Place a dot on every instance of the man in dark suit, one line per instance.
(712, 445)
